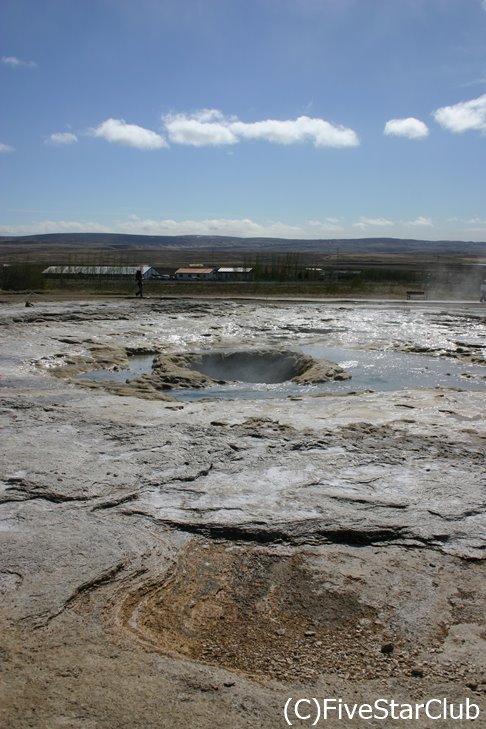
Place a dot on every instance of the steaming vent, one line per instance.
(267, 367)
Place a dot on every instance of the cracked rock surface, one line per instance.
(196, 563)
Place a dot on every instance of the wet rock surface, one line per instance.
(167, 564)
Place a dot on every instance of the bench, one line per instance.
(416, 295)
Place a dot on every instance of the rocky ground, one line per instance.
(170, 563)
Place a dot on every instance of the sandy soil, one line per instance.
(198, 563)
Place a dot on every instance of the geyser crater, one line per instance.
(263, 366)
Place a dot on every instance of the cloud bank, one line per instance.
(240, 227)
(209, 127)
(410, 128)
(464, 116)
(117, 131)
(4, 148)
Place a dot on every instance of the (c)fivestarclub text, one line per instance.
(313, 710)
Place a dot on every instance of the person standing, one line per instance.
(139, 280)
(482, 291)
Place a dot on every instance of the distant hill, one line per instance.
(354, 246)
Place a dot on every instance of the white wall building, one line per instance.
(148, 272)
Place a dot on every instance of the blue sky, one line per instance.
(283, 118)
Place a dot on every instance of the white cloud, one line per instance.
(483, 3)
(410, 128)
(117, 131)
(211, 127)
(204, 128)
(4, 148)
(62, 138)
(14, 62)
(303, 129)
(420, 221)
(464, 116)
(373, 223)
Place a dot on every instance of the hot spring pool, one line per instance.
(384, 370)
